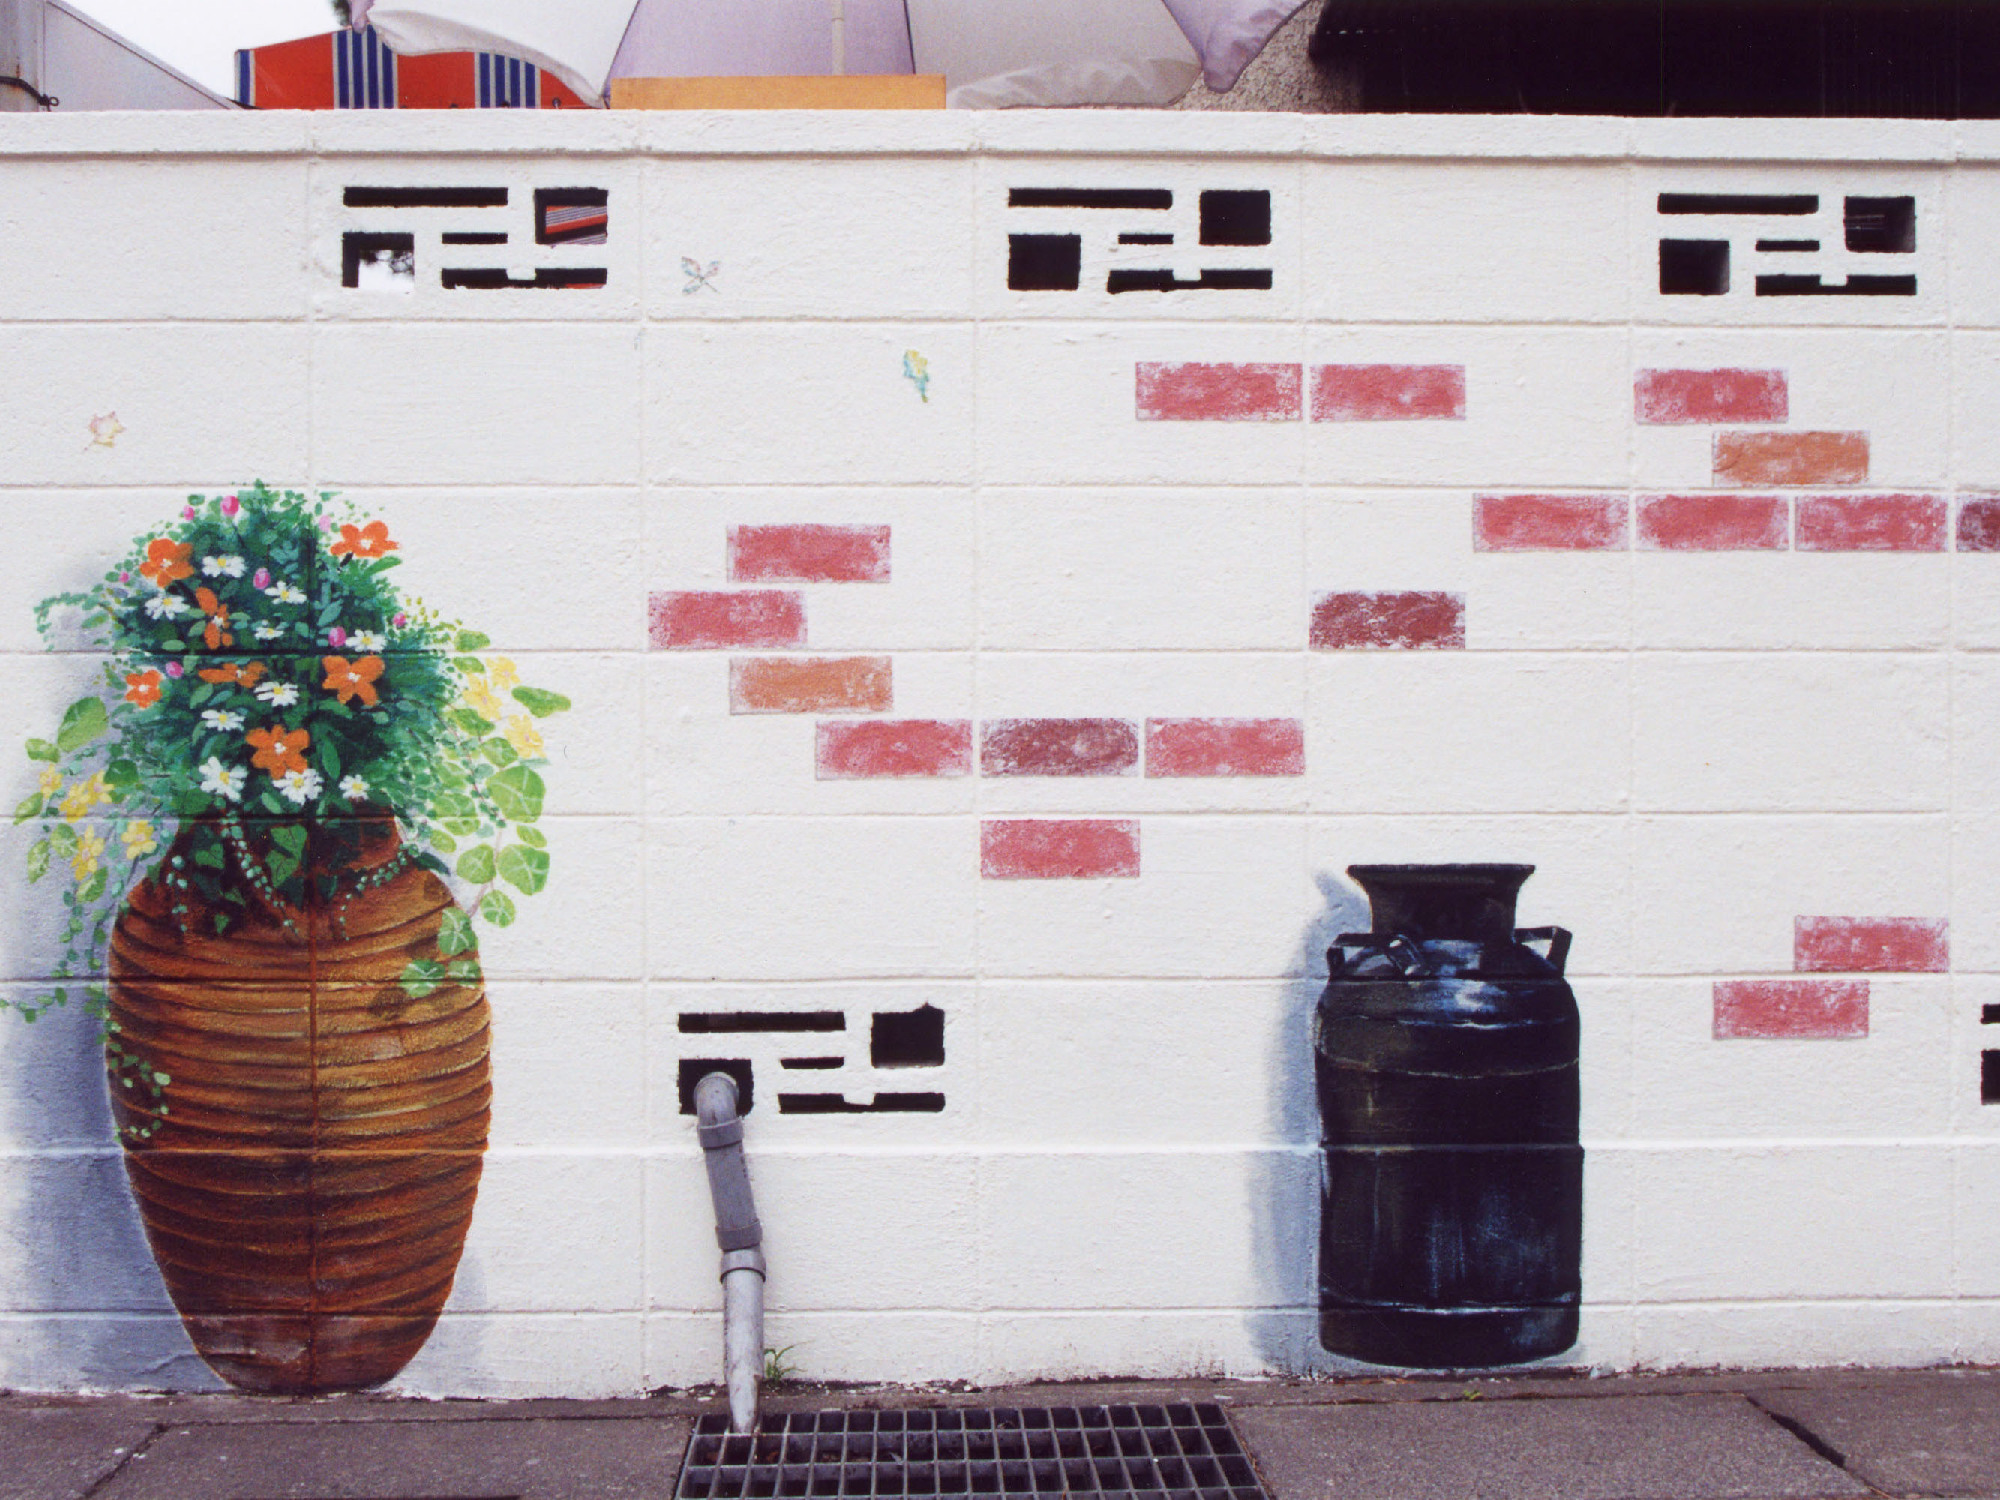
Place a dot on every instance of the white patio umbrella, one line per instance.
(993, 53)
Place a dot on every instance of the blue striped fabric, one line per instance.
(364, 71)
(508, 83)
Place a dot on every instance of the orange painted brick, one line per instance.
(1759, 458)
(809, 684)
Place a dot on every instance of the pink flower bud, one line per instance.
(187, 512)
(336, 637)
(400, 621)
(261, 578)
(174, 669)
(124, 577)
(231, 505)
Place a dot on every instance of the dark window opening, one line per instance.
(396, 252)
(1236, 218)
(1044, 262)
(694, 1069)
(907, 1038)
(1694, 268)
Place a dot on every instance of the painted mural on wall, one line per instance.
(253, 817)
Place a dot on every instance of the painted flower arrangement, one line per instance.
(269, 703)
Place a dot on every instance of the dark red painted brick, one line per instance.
(1749, 1008)
(1388, 393)
(1058, 848)
(865, 748)
(1548, 523)
(810, 684)
(1777, 458)
(1871, 945)
(713, 621)
(1218, 393)
(1676, 396)
(1402, 621)
(1225, 747)
(1872, 523)
(1714, 523)
(810, 554)
(1058, 747)
(1979, 525)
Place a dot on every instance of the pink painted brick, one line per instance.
(1714, 523)
(1828, 1008)
(1548, 523)
(1058, 747)
(1225, 747)
(1401, 621)
(719, 621)
(1871, 945)
(1058, 848)
(868, 748)
(1872, 523)
(811, 684)
(1218, 393)
(809, 554)
(1388, 393)
(1662, 397)
(1979, 525)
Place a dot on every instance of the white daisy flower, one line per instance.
(367, 640)
(267, 632)
(227, 566)
(166, 606)
(354, 788)
(284, 593)
(278, 694)
(300, 787)
(219, 780)
(221, 718)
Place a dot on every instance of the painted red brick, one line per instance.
(1548, 523)
(1218, 393)
(1225, 747)
(1749, 1008)
(1662, 397)
(1058, 848)
(1871, 945)
(864, 748)
(1388, 393)
(713, 621)
(1979, 525)
(1714, 523)
(809, 684)
(1781, 458)
(1058, 747)
(810, 554)
(1872, 523)
(1403, 621)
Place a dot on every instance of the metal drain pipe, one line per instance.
(739, 1234)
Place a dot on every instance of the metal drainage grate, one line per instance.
(1183, 1451)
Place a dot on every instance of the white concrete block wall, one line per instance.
(808, 321)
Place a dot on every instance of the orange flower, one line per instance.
(245, 673)
(371, 540)
(278, 749)
(217, 635)
(142, 688)
(166, 560)
(352, 680)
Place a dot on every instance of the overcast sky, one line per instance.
(200, 37)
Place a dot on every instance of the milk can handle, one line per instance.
(1556, 937)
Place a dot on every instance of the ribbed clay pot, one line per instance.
(308, 1190)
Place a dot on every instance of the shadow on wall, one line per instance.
(1284, 1186)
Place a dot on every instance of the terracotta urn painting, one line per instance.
(277, 824)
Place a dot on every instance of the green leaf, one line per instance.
(464, 970)
(92, 888)
(421, 977)
(281, 868)
(38, 861)
(533, 837)
(210, 857)
(43, 750)
(441, 841)
(499, 752)
(517, 792)
(472, 640)
(291, 838)
(122, 776)
(464, 827)
(62, 838)
(471, 666)
(455, 934)
(498, 908)
(527, 870)
(31, 807)
(472, 723)
(82, 722)
(540, 702)
(477, 864)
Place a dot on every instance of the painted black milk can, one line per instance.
(1445, 1055)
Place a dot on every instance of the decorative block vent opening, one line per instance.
(1182, 1451)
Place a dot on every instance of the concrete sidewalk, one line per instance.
(1743, 1435)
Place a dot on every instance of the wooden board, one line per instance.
(853, 91)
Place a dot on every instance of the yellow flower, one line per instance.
(139, 839)
(479, 698)
(522, 735)
(51, 782)
(89, 845)
(81, 798)
(502, 674)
